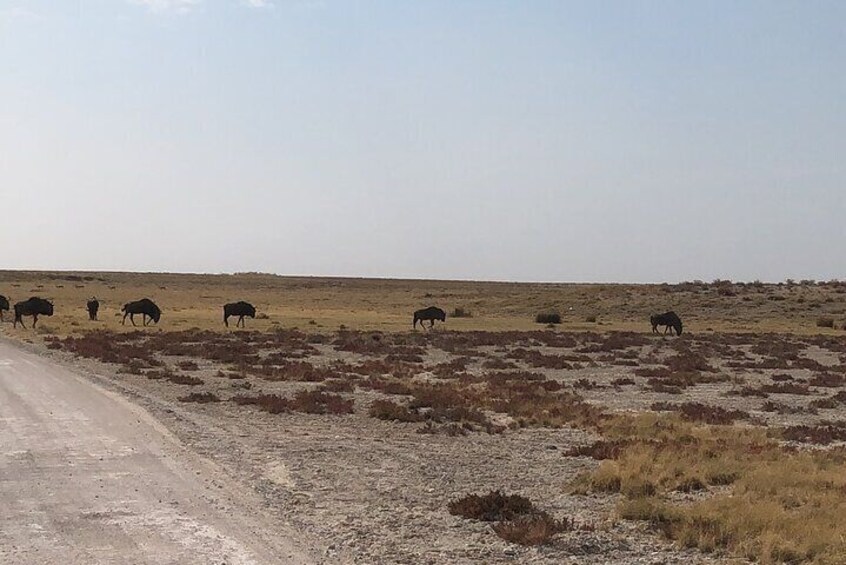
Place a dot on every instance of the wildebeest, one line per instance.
(431, 313)
(32, 307)
(669, 320)
(239, 309)
(145, 307)
(4, 305)
(93, 306)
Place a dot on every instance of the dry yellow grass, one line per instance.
(324, 304)
(781, 505)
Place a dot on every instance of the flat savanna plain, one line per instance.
(492, 438)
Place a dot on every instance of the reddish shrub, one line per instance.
(696, 412)
(389, 410)
(533, 529)
(187, 365)
(786, 388)
(821, 435)
(180, 379)
(491, 507)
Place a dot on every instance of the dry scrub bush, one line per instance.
(390, 410)
(180, 379)
(786, 388)
(338, 385)
(518, 519)
(599, 450)
(295, 371)
(823, 434)
(386, 386)
(497, 364)
(548, 318)
(533, 529)
(697, 412)
(309, 402)
(622, 381)
(825, 322)
(491, 507)
(828, 380)
(200, 397)
(663, 379)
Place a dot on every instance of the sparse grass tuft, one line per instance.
(200, 397)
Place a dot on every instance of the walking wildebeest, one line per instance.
(4, 305)
(145, 307)
(669, 320)
(93, 306)
(431, 313)
(239, 309)
(32, 307)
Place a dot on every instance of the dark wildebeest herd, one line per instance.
(36, 306)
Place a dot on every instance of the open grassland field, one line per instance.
(324, 304)
(493, 439)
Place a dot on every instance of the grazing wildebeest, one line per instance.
(32, 307)
(239, 309)
(4, 305)
(431, 313)
(145, 307)
(669, 320)
(93, 306)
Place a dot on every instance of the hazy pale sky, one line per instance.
(522, 140)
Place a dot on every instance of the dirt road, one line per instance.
(88, 477)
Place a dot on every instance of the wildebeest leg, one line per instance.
(432, 322)
(144, 319)
(19, 320)
(34, 319)
(242, 322)
(414, 325)
(123, 322)
(132, 319)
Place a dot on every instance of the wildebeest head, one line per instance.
(155, 313)
(250, 310)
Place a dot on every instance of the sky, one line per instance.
(523, 140)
